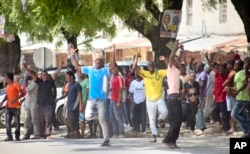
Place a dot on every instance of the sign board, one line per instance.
(43, 58)
(170, 23)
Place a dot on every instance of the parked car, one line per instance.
(60, 81)
(143, 64)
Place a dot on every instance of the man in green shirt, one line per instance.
(242, 98)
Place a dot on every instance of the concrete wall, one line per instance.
(211, 20)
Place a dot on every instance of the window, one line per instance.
(189, 12)
(223, 12)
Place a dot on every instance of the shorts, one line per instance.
(81, 117)
(230, 102)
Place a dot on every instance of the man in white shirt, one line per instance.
(138, 97)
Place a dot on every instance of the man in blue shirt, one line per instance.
(98, 89)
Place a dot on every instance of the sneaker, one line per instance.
(18, 139)
(48, 137)
(105, 143)
(35, 138)
(8, 139)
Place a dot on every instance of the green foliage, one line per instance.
(211, 4)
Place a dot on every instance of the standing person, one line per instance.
(95, 108)
(202, 79)
(153, 87)
(229, 98)
(84, 82)
(54, 94)
(74, 104)
(13, 94)
(116, 100)
(45, 100)
(242, 97)
(173, 99)
(138, 100)
(219, 109)
(209, 97)
(128, 74)
(31, 109)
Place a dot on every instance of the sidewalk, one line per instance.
(184, 132)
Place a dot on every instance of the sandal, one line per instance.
(153, 140)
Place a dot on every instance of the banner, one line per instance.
(170, 23)
(2, 24)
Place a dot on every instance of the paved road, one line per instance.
(59, 145)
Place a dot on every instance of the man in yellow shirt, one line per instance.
(153, 88)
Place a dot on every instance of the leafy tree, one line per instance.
(45, 19)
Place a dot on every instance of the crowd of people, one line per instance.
(189, 95)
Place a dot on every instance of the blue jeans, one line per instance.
(238, 113)
(116, 119)
(9, 113)
(138, 112)
(125, 113)
(107, 113)
(200, 118)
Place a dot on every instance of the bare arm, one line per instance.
(79, 95)
(137, 69)
(173, 52)
(54, 75)
(228, 80)
(210, 62)
(162, 58)
(113, 57)
(33, 75)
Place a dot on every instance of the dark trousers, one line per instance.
(54, 117)
(45, 119)
(191, 110)
(220, 114)
(9, 113)
(73, 120)
(174, 118)
(138, 116)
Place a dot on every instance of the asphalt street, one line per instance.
(60, 145)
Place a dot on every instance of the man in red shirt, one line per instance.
(116, 100)
(13, 93)
(219, 109)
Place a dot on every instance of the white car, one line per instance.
(60, 80)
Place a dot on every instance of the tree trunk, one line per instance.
(159, 46)
(243, 9)
(159, 43)
(10, 54)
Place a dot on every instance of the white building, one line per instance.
(222, 21)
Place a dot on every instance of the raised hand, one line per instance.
(162, 58)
